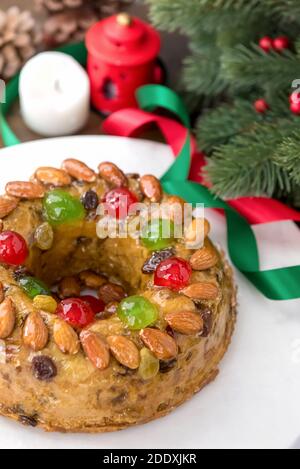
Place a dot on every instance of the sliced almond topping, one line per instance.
(7, 205)
(25, 190)
(35, 332)
(160, 343)
(175, 208)
(124, 350)
(79, 170)
(204, 258)
(185, 322)
(111, 292)
(95, 348)
(151, 188)
(7, 318)
(1, 292)
(92, 280)
(65, 337)
(69, 287)
(112, 174)
(201, 291)
(53, 176)
(197, 231)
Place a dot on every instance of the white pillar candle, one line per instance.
(54, 94)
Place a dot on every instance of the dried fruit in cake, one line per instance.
(90, 200)
(174, 273)
(44, 236)
(13, 248)
(118, 202)
(45, 303)
(137, 312)
(44, 368)
(33, 287)
(149, 364)
(158, 234)
(156, 258)
(97, 305)
(75, 311)
(61, 207)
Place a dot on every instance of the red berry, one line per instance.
(266, 43)
(261, 106)
(13, 248)
(295, 107)
(76, 312)
(96, 304)
(118, 201)
(281, 43)
(173, 273)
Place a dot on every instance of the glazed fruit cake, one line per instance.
(100, 334)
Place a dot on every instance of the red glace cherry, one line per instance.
(118, 202)
(96, 304)
(13, 248)
(173, 273)
(75, 311)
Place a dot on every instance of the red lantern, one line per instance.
(122, 56)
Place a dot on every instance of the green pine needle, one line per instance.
(287, 156)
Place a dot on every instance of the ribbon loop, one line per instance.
(275, 284)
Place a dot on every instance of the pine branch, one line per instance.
(287, 157)
(288, 9)
(253, 67)
(247, 165)
(186, 16)
(295, 197)
(208, 83)
(218, 126)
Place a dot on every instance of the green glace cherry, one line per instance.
(158, 234)
(33, 287)
(137, 312)
(61, 207)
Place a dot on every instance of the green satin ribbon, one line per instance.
(276, 284)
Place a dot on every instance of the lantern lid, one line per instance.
(123, 40)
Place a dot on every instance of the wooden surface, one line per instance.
(171, 56)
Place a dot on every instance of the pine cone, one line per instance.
(110, 6)
(19, 38)
(69, 24)
(60, 5)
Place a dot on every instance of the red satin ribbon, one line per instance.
(130, 122)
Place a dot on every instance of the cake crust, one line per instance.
(82, 398)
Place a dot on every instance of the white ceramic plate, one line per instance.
(254, 402)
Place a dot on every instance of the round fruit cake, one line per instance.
(101, 333)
